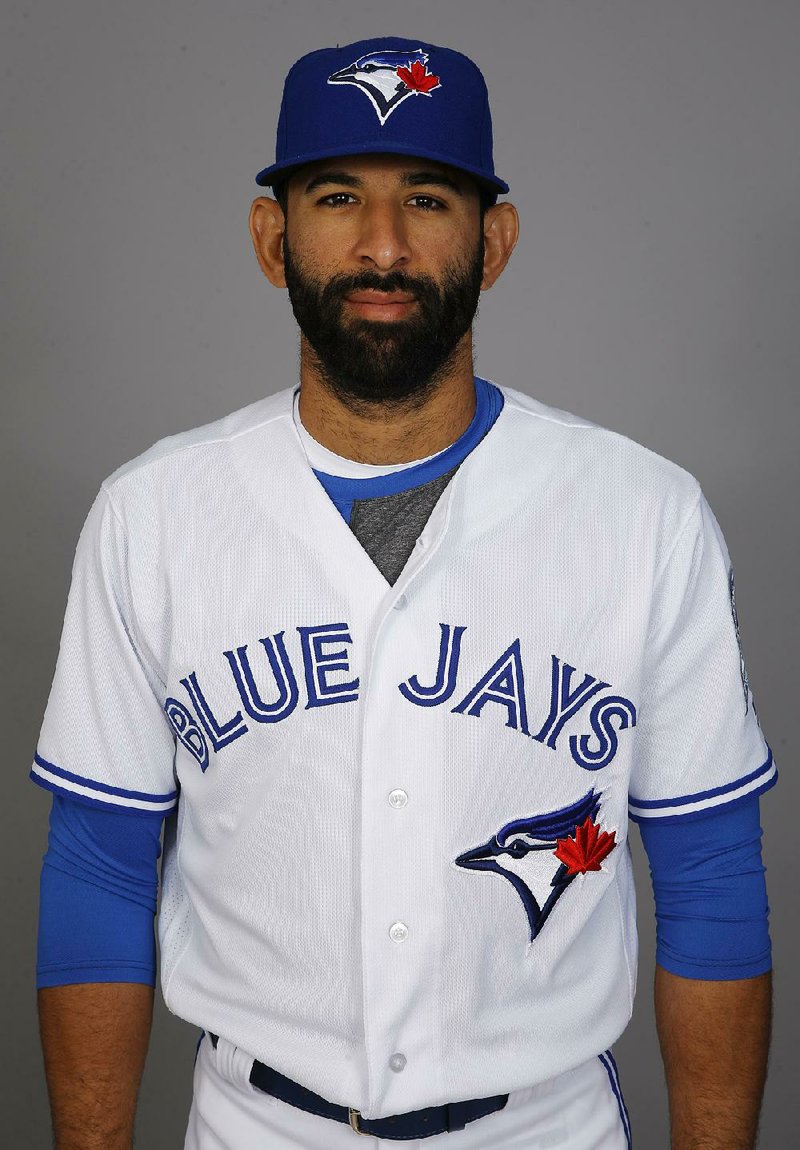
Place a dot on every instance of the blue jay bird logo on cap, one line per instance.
(388, 78)
(522, 851)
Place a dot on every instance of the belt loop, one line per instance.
(455, 1116)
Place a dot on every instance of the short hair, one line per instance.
(280, 192)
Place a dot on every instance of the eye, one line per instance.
(427, 203)
(517, 849)
(337, 199)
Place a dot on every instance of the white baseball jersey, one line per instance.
(399, 871)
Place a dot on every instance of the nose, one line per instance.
(383, 239)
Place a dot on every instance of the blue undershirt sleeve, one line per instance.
(99, 889)
(710, 893)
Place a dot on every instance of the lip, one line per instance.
(380, 298)
(381, 305)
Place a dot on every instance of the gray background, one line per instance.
(652, 149)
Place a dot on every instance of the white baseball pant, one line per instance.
(580, 1110)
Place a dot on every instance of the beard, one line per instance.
(372, 361)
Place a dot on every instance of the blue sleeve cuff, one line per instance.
(70, 975)
(99, 888)
(712, 915)
(713, 971)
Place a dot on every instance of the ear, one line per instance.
(267, 228)
(500, 235)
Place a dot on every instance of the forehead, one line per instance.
(383, 169)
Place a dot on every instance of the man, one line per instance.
(404, 648)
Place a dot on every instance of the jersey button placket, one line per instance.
(401, 920)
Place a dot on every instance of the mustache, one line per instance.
(421, 287)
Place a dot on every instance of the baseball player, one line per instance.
(400, 652)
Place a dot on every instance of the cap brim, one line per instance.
(276, 172)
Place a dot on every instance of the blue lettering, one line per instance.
(564, 703)
(220, 734)
(320, 663)
(503, 683)
(446, 671)
(604, 710)
(282, 673)
(187, 731)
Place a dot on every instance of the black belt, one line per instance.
(415, 1124)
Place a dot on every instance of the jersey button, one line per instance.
(400, 602)
(398, 798)
(397, 1062)
(398, 932)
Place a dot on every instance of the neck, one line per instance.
(389, 432)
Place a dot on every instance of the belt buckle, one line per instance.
(354, 1116)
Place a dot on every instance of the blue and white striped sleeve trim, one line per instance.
(670, 809)
(53, 778)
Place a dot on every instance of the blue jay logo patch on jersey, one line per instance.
(523, 850)
(388, 78)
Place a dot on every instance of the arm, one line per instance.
(96, 968)
(713, 956)
(714, 1041)
(106, 750)
(94, 1038)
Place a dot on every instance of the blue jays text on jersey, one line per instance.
(267, 685)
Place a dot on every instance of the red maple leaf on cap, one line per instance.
(418, 78)
(587, 849)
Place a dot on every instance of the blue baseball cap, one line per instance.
(387, 95)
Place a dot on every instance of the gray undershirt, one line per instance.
(388, 526)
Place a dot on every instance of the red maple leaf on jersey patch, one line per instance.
(587, 849)
(418, 78)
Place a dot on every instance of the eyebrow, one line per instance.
(436, 179)
(345, 178)
(408, 180)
